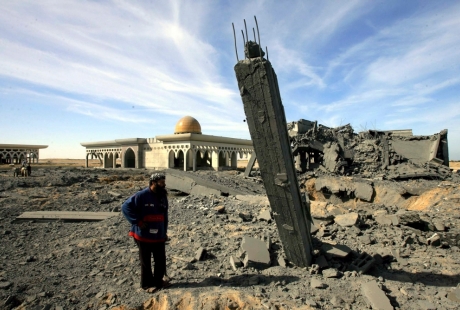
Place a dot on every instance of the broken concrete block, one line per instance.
(281, 261)
(439, 225)
(383, 220)
(454, 295)
(363, 263)
(397, 254)
(114, 194)
(265, 215)
(364, 191)
(200, 253)
(246, 217)
(317, 283)
(268, 241)
(235, 263)
(337, 250)
(346, 220)
(365, 239)
(323, 232)
(375, 297)
(180, 183)
(331, 273)
(379, 212)
(219, 209)
(257, 255)
(318, 210)
(254, 199)
(335, 210)
(434, 240)
(394, 219)
(200, 190)
(408, 218)
(313, 269)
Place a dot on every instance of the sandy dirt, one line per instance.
(455, 165)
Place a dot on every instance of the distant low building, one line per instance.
(187, 149)
(17, 153)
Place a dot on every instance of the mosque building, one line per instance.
(186, 149)
(17, 153)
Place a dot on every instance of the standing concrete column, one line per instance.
(266, 120)
(194, 160)
(234, 160)
(215, 160)
(184, 164)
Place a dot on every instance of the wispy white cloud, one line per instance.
(356, 62)
(184, 66)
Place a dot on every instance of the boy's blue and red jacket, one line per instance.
(149, 208)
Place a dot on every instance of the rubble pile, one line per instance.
(225, 251)
(392, 155)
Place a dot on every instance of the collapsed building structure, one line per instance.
(386, 154)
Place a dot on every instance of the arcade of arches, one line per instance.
(186, 149)
(17, 153)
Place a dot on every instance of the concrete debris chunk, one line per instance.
(265, 215)
(219, 209)
(383, 220)
(115, 194)
(439, 225)
(363, 263)
(246, 217)
(235, 263)
(375, 297)
(256, 253)
(254, 199)
(331, 273)
(317, 283)
(318, 210)
(337, 250)
(200, 190)
(281, 261)
(313, 269)
(454, 295)
(426, 305)
(408, 218)
(347, 220)
(200, 253)
(434, 240)
(363, 191)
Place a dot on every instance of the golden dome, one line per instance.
(187, 124)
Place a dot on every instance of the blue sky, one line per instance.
(86, 71)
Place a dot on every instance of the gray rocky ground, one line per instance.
(397, 250)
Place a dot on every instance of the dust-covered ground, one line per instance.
(408, 232)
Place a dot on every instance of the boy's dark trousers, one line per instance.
(146, 250)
